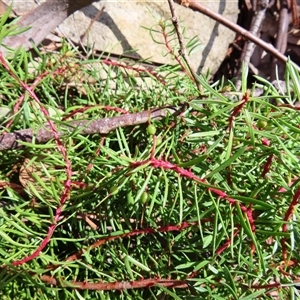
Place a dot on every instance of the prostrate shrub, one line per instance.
(200, 203)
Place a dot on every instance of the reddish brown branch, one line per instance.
(238, 109)
(228, 242)
(267, 166)
(137, 69)
(195, 5)
(149, 230)
(287, 216)
(107, 286)
(67, 185)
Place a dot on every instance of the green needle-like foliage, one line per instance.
(200, 205)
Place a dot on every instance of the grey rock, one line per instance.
(121, 29)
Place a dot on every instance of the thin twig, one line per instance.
(294, 9)
(118, 285)
(282, 34)
(182, 45)
(14, 140)
(99, 13)
(195, 5)
(250, 46)
(283, 26)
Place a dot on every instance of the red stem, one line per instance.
(287, 216)
(237, 109)
(67, 185)
(122, 285)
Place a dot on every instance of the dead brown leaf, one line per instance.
(86, 218)
(29, 171)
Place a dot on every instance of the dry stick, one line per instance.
(282, 33)
(250, 46)
(283, 26)
(182, 51)
(294, 9)
(238, 29)
(99, 13)
(100, 126)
